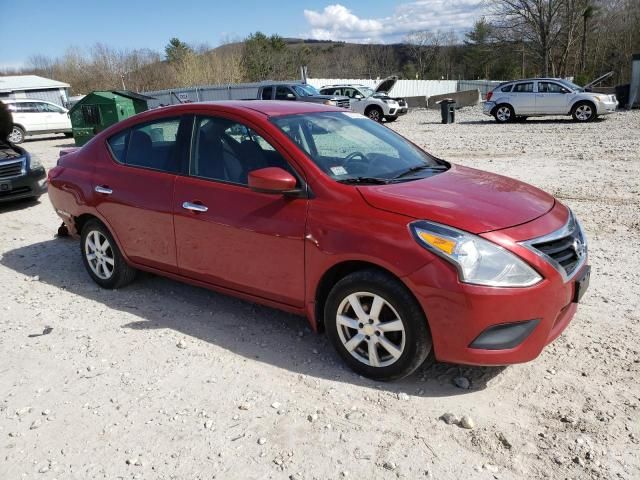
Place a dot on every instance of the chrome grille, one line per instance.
(342, 103)
(13, 168)
(565, 249)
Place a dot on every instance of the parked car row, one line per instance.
(373, 103)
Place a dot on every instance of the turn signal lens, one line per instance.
(441, 243)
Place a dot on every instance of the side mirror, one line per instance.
(358, 97)
(271, 180)
(291, 96)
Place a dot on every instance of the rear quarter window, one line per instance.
(506, 88)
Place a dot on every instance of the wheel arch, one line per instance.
(584, 100)
(79, 221)
(336, 273)
(368, 108)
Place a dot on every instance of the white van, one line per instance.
(34, 117)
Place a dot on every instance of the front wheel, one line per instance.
(102, 258)
(375, 114)
(583, 112)
(390, 119)
(376, 325)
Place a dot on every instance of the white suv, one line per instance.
(374, 103)
(34, 117)
(546, 96)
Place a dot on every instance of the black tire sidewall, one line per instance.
(119, 262)
(417, 338)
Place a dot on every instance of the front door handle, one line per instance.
(196, 207)
(104, 190)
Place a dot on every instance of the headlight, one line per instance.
(390, 102)
(330, 102)
(34, 163)
(478, 261)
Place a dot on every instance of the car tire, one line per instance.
(104, 261)
(504, 113)
(584, 112)
(521, 119)
(374, 113)
(389, 344)
(68, 134)
(17, 135)
(390, 119)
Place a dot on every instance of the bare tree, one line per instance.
(539, 22)
(424, 47)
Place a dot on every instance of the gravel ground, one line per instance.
(164, 380)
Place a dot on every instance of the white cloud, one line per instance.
(337, 22)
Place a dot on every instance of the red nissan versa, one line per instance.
(325, 213)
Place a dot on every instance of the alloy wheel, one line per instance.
(503, 114)
(584, 113)
(16, 135)
(374, 114)
(99, 254)
(370, 329)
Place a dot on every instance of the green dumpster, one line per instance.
(101, 109)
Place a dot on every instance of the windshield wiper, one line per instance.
(364, 180)
(417, 168)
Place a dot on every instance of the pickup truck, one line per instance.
(300, 92)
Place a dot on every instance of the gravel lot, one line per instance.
(164, 380)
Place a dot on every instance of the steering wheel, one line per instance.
(351, 158)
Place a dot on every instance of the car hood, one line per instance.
(464, 198)
(386, 85)
(328, 97)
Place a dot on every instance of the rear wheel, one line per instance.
(102, 258)
(376, 325)
(504, 113)
(17, 135)
(390, 119)
(584, 112)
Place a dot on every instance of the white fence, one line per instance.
(402, 88)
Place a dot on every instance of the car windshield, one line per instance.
(572, 86)
(366, 91)
(306, 90)
(350, 148)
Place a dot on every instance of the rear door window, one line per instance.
(152, 145)
(526, 87)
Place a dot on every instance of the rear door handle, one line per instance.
(196, 207)
(104, 190)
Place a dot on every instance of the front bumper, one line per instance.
(604, 108)
(32, 184)
(460, 315)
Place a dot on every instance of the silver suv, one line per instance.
(374, 103)
(546, 96)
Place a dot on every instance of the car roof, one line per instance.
(24, 100)
(532, 79)
(344, 85)
(270, 108)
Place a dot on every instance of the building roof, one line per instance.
(12, 83)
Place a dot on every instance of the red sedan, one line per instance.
(325, 213)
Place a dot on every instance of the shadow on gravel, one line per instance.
(16, 205)
(537, 121)
(255, 332)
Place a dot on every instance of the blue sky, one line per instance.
(32, 27)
